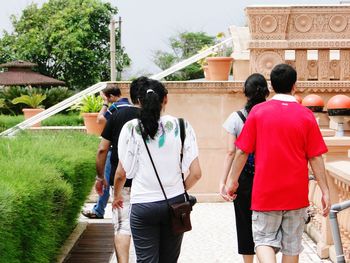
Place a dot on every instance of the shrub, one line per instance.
(53, 96)
(44, 182)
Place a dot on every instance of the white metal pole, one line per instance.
(112, 50)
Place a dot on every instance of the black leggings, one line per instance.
(151, 232)
(243, 213)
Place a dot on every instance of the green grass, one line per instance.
(45, 179)
(72, 119)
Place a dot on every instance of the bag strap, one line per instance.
(154, 167)
(182, 136)
(240, 114)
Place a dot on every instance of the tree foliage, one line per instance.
(69, 40)
(183, 45)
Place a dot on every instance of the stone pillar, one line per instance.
(345, 64)
(323, 64)
(301, 64)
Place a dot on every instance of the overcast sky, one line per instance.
(148, 24)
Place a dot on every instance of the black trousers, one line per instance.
(243, 213)
(151, 232)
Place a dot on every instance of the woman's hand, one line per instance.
(223, 193)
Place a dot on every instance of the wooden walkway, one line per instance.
(95, 245)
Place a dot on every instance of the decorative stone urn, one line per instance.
(314, 102)
(338, 108)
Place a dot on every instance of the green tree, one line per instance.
(69, 40)
(183, 45)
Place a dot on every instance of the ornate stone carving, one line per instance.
(268, 24)
(301, 64)
(323, 64)
(291, 63)
(345, 64)
(338, 23)
(334, 70)
(229, 87)
(312, 69)
(303, 23)
(300, 44)
(266, 60)
(300, 22)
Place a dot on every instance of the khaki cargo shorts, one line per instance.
(121, 216)
(281, 230)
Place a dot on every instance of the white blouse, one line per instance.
(165, 150)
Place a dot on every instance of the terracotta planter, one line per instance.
(28, 113)
(219, 67)
(206, 72)
(91, 124)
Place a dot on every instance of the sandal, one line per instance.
(91, 214)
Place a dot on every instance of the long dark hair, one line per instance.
(256, 90)
(151, 96)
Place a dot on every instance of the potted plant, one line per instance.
(33, 101)
(203, 63)
(219, 66)
(89, 107)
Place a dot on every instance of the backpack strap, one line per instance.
(182, 136)
(241, 115)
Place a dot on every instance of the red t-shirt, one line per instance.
(283, 135)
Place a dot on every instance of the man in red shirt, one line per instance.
(284, 136)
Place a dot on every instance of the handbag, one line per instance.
(179, 212)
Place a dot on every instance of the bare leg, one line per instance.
(122, 246)
(266, 254)
(290, 259)
(248, 258)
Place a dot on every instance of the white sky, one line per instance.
(148, 24)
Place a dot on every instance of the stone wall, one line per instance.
(207, 105)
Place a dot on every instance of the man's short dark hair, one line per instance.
(112, 89)
(283, 77)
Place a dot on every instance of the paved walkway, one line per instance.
(213, 238)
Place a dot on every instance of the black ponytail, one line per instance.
(256, 90)
(151, 96)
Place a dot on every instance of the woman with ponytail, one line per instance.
(149, 216)
(256, 91)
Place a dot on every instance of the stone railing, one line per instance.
(338, 178)
(314, 39)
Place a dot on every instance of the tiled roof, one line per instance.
(10, 78)
(19, 73)
(18, 64)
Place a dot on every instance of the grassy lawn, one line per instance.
(8, 121)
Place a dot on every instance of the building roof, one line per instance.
(18, 64)
(19, 73)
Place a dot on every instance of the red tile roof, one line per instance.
(20, 73)
(18, 64)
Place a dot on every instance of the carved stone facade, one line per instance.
(275, 29)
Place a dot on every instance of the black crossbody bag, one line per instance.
(179, 212)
